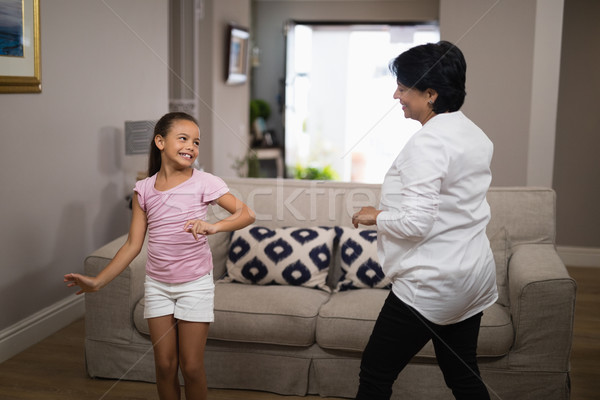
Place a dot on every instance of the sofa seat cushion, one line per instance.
(274, 314)
(496, 334)
(346, 322)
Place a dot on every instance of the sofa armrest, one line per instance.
(109, 312)
(542, 297)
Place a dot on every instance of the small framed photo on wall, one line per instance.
(238, 39)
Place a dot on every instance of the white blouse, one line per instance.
(431, 232)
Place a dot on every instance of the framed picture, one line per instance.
(237, 55)
(20, 46)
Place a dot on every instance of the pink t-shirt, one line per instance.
(174, 256)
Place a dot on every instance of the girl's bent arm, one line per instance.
(241, 215)
(130, 249)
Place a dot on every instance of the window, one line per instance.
(339, 110)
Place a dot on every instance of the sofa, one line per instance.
(298, 340)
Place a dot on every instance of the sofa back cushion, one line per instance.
(289, 202)
(501, 248)
(527, 213)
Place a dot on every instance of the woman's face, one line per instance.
(415, 103)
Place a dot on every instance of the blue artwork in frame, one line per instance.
(20, 65)
(11, 28)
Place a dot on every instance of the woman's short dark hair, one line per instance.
(162, 128)
(439, 66)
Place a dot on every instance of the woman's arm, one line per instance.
(130, 249)
(365, 216)
(410, 197)
(241, 216)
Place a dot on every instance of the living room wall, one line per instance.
(577, 170)
(197, 80)
(227, 112)
(64, 171)
(513, 56)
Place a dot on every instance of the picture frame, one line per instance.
(20, 64)
(236, 71)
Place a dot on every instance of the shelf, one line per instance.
(270, 161)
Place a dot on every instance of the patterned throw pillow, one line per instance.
(283, 256)
(359, 261)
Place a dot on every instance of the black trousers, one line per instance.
(400, 332)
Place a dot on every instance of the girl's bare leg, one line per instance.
(192, 340)
(163, 333)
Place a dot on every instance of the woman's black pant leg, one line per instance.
(398, 335)
(456, 348)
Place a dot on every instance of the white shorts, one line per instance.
(189, 301)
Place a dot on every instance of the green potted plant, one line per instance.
(326, 173)
(260, 111)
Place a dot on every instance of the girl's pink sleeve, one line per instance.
(140, 190)
(214, 188)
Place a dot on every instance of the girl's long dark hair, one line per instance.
(162, 128)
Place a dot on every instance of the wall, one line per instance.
(231, 109)
(577, 169)
(512, 61)
(64, 173)
(499, 75)
(223, 109)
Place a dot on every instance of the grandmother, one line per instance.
(431, 224)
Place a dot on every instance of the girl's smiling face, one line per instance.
(181, 144)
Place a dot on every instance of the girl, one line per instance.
(179, 290)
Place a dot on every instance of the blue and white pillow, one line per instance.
(283, 256)
(358, 259)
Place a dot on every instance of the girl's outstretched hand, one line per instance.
(198, 227)
(86, 283)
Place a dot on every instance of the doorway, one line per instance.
(340, 118)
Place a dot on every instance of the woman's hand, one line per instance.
(198, 227)
(366, 216)
(86, 283)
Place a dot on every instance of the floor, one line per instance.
(54, 368)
